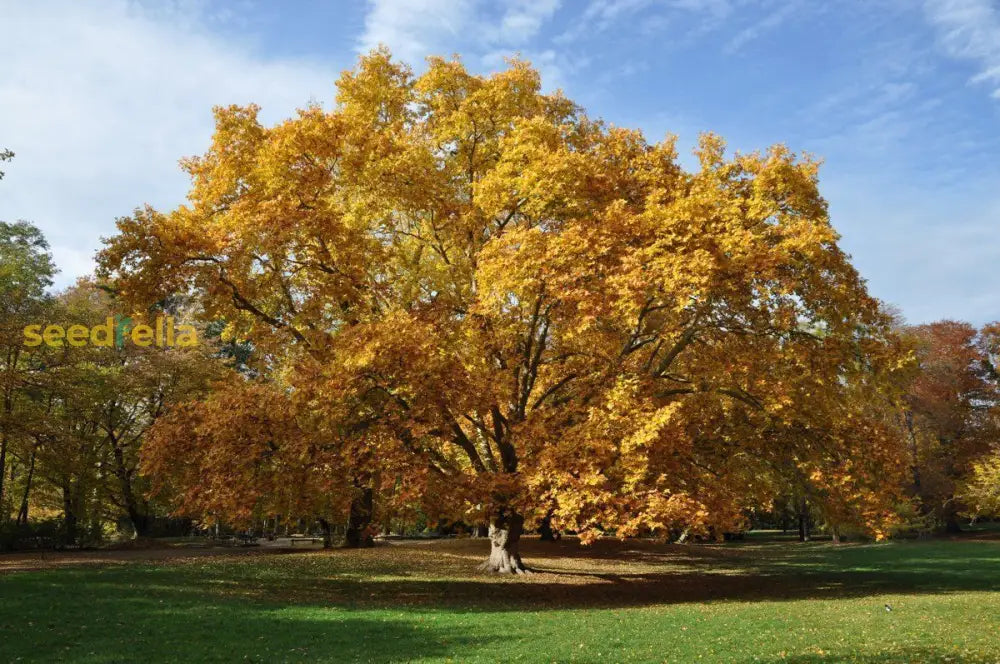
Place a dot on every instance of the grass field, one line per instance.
(756, 601)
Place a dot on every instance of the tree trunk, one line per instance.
(137, 516)
(358, 531)
(505, 536)
(804, 521)
(951, 524)
(69, 516)
(8, 408)
(22, 513)
(327, 536)
(140, 521)
(3, 469)
(546, 534)
(914, 454)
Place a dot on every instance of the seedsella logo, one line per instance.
(115, 331)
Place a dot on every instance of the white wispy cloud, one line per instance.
(607, 11)
(483, 32)
(414, 29)
(772, 18)
(100, 100)
(970, 30)
(689, 20)
(523, 19)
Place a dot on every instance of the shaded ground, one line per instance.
(42, 560)
(406, 601)
(22, 561)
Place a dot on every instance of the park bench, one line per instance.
(292, 539)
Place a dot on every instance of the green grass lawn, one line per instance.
(632, 602)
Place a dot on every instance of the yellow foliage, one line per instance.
(515, 308)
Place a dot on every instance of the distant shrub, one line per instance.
(45, 534)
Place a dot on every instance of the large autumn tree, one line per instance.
(510, 310)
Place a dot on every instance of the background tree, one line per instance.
(5, 155)
(224, 457)
(81, 413)
(515, 311)
(979, 490)
(26, 270)
(119, 392)
(950, 414)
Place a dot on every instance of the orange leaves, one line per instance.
(950, 416)
(494, 301)
(240, 451)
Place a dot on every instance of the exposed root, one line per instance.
(504, 535)
(508, 567)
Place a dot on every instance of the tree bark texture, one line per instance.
(505, 537)
(360, 518)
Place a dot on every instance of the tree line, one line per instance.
(458, 299)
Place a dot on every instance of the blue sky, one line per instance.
(901, 98)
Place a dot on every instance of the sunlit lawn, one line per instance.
(752, 601)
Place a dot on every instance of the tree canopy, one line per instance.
(498, 309)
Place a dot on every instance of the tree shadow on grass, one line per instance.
(637, 573)
(611, 591)
(644, 573)
(363, 580)
(610, 575)
(127, 620)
